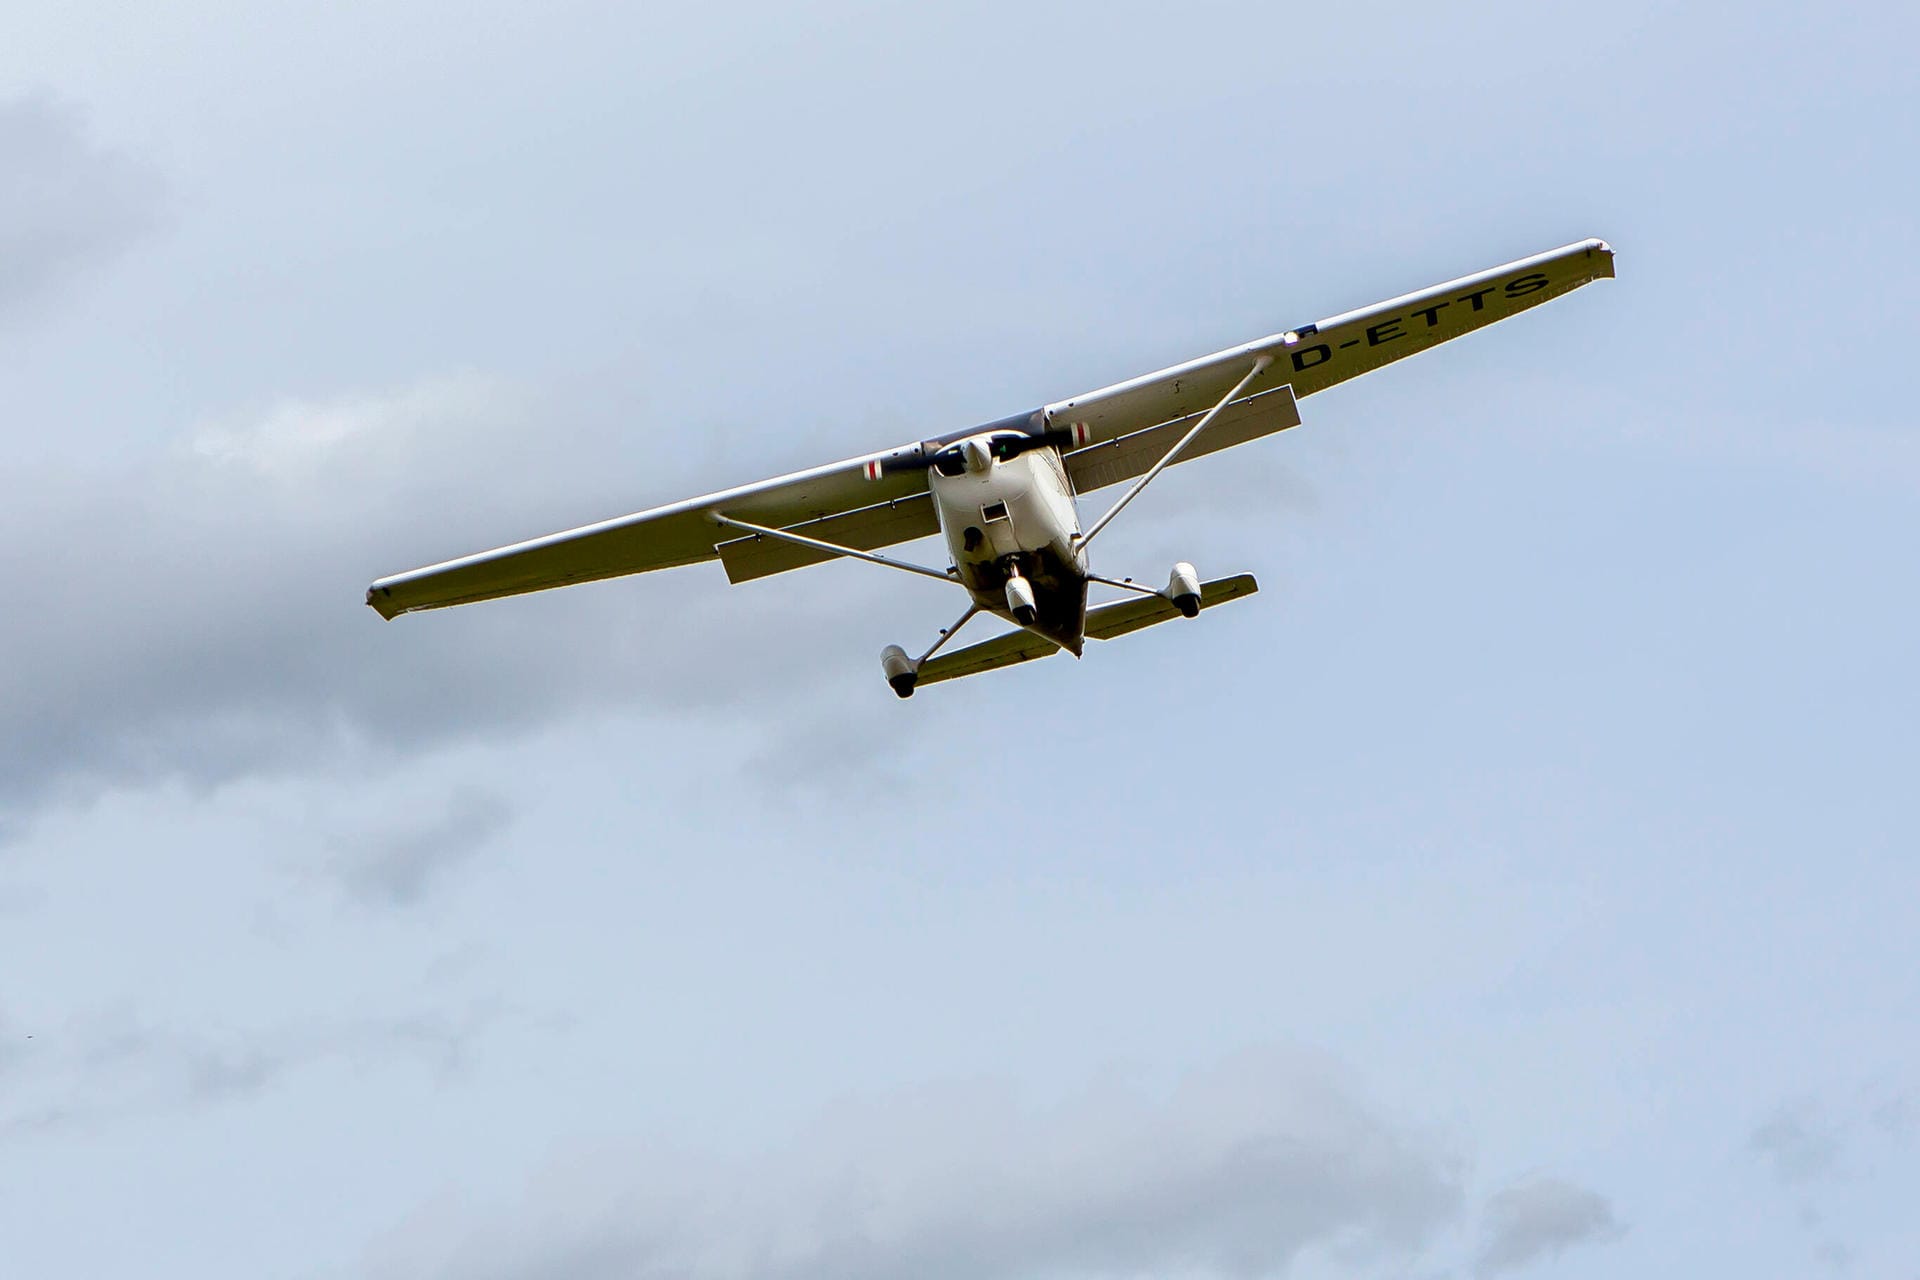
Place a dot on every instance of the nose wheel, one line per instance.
(1020, 599)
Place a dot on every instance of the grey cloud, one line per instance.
(13, 1046)
(89, 1075)
(1834, 1255)
(65, 203)
(818, 750)
(1894, 1118)
(1240, 1173)
(1795, 1143)
(198, 616)
(1541, 1218)
(399, 866)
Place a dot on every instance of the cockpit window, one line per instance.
(1005, 447)
(950, 462)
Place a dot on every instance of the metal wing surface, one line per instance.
(865, 528)
(1132, 454)
(680, 533)
(1317, 356)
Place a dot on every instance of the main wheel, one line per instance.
(900, 670)
(1183, 588)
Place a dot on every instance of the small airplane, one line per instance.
(1003, 495)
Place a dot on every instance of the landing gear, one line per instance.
(1020, 599)
(902, 672)
(1183, 588)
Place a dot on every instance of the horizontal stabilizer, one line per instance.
(1111, 621)
(1001, 651)
(1105, 623)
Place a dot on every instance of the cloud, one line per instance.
(1795, 1143)
(65, 203)
(1243, 1170)
(196, 616)
(122, 1066)
(398, 867)
(13, 1046)
(1541, 1218)
(1894, 1117)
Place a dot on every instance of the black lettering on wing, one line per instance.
(1385, 331)
(1320, 352)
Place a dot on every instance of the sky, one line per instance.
(1523, 883)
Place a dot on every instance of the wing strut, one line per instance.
(830, 548)
(1173, 454)
(946, 634)
(1125, 584)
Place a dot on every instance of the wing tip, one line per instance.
(380, 600)
(1596, 246)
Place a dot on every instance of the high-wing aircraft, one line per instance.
(1003, 495)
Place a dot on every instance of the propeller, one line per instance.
(1011, 438)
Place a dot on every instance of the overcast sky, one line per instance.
(1523, 883)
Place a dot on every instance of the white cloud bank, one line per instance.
(1243, 1171)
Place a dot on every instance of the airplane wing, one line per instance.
(859, 503)
(1112, 434)
(864, 528)
(1312, 358)
(1125, 456)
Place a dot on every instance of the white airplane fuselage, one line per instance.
(1007, 517)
